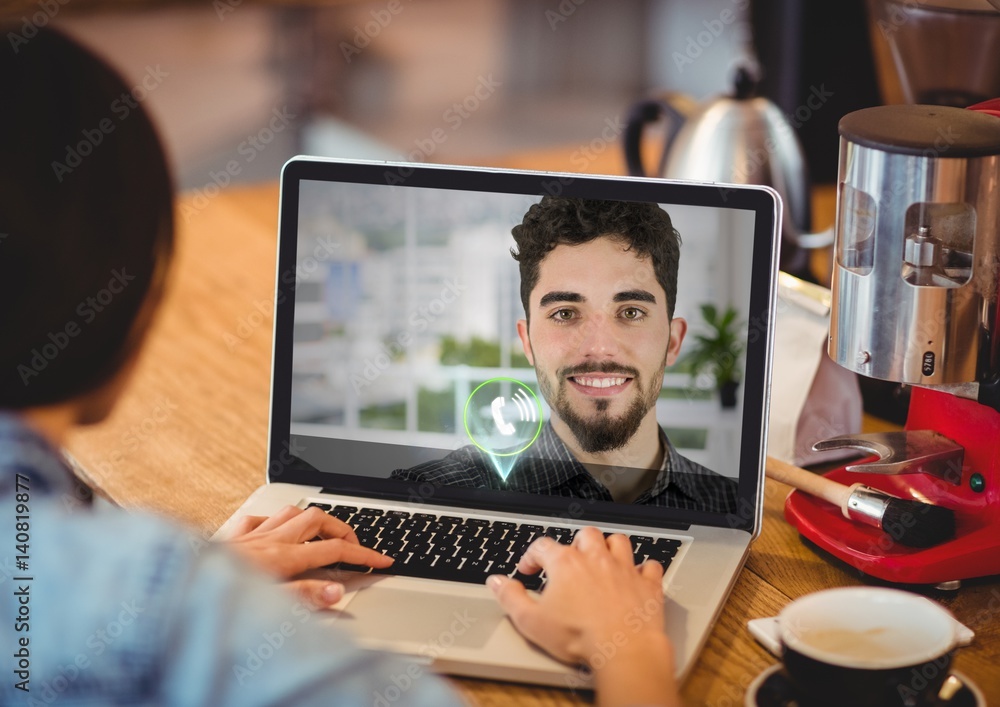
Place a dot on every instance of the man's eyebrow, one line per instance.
(635, 296)
(552, 297)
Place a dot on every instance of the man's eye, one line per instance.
(633, 313)
(562, 315)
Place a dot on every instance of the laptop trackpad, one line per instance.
(385, 614)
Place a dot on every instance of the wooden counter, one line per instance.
(188, 441)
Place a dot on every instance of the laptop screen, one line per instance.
(584, 347)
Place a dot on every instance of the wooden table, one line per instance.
(188, 440)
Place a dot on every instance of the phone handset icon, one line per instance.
(505, 428)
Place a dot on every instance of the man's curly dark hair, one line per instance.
(640, 226)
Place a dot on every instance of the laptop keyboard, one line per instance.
(464, 549)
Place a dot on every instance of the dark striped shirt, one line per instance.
(548, 467)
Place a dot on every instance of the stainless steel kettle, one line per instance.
(740, 139)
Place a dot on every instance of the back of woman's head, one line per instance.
(86, 220)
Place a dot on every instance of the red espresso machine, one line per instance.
(915, 282)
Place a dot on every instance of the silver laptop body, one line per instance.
(396, 295)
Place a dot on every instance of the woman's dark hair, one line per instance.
(641, 227)
(86, 220)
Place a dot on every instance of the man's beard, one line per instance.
(601, 432)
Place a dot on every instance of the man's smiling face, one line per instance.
(599, 338)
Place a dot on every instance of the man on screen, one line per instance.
(598, 285)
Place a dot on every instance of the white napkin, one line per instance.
(812, 398)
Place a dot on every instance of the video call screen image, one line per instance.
(414, 358)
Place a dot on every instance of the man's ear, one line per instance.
(678, 328)
(522, 331)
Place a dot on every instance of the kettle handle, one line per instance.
(642, 113)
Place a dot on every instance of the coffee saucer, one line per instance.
(772, 688)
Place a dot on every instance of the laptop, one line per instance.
(396, 351)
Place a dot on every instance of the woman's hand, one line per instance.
(295, 540)
(598, 609)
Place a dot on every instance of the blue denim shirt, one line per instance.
(102, 607)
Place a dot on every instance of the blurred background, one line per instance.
(240, 86)
(248, 84)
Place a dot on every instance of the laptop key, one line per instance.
(325, 507)
(497, 545)
(343, 512)
(530, 581)
(555, 533)
(519, 536)
(468, 552)
(473, 526)
(364, 569)
(414, 524)
(424, 560)
(664, 549)
(477, 540)
(442, 540)
(503, 566)
(476, 570)
(440, 527)
(389, 546)
(392, 533)
(448, 568)
(362, 520)
(664, 558)
(408, 564)
(393, 519)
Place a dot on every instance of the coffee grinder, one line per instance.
(916, 273)
(915, 282)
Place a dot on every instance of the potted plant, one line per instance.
(718, 352)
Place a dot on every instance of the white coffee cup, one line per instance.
(867, 646)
